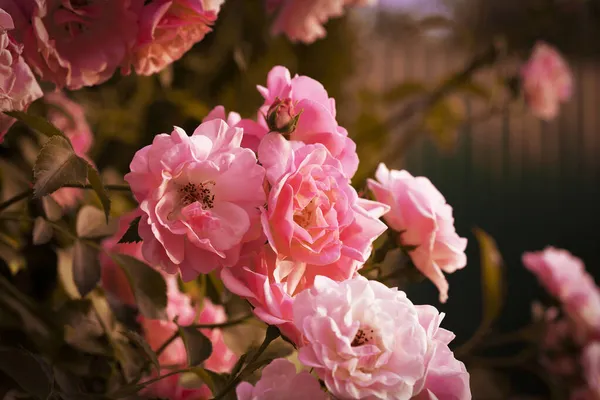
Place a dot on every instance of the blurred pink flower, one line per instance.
(279, 380)
(564, 277)
(424, 219)
(315, 111)
(547, 81)
(445, 376)
(362, 338)
(313, 215)
(170, 388)
(69, 117)
(302, 20)
(253, 132)
(75, 43)
(18, 86)
(200, 196)
(157, 332)
(591, 368)
(114, 279)
(168, 29)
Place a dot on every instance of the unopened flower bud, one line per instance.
(282, 116)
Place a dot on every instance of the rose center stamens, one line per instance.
(363, 336)
(197, 192)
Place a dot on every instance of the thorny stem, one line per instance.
(15, 199)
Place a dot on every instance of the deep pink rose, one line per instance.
(253, 132)
(362, 338)
(445, 376)
(114, 279)
(168, 29)
(421, 214)
(279, 380)
(313, 215)
(200, 196)
(270, 284)
(75, 43)
(302, 20)
(315, 113)
(157, 332)
(69, 117)
(564, 277)
(18, 86)
(547, 81)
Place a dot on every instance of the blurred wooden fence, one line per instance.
(526, 182)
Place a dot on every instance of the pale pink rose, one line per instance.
(590, 360)
(362, 338)
(75, 43)
(69, 117)
(200, 196)
(547, 81)
(315, 112)
(445, 376)
(279, 380)
(424, 219)
(303, 20)
(270, 284)
(168, 29)
(564, 277)
(18, 86)
(253, 132)
(313, 214)
(114, 279)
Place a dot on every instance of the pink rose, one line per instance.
(200, 196)
(168, 29)
(114, 279)
(302, 20)
(279, 380)
(18, 86)
(445, 376)
(253, 132)
(591, 367)
(314, 114)
(424, 219)
(362, 338)
(270, 284)
(565, 278)
(170, 388)
(75, 43)
(69, 117)
(158, 332)
(547, 81)
(313, 215)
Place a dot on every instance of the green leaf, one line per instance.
(144, 346)
(86, 268)
(91, 223)
(27, 371)
(37, 123)
(443, 121)
(403, 91)
(148, 285)
(132, 235)
(94, 177)
(57, 165)
(197, 346)
(216, 382)
(52, 209)
(42, 231)
(492, 285)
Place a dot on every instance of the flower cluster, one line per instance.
(571, 342)
(268, 204)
